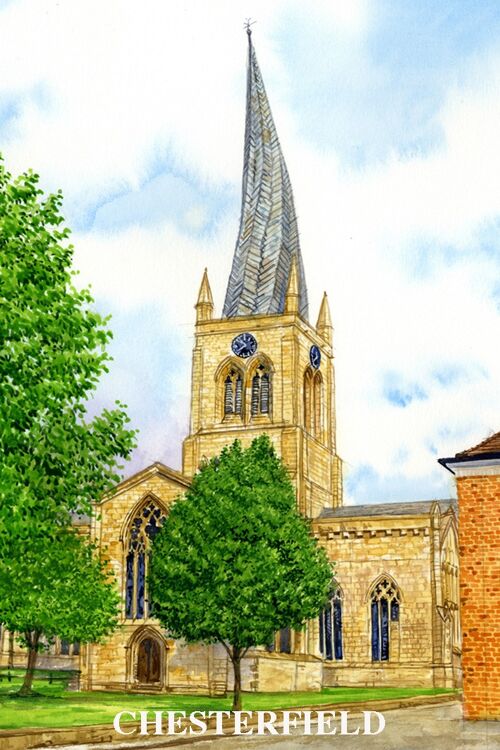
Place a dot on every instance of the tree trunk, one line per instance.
(236, 660)
(26, 687)
(11, 651)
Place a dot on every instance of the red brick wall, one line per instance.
(479, 541)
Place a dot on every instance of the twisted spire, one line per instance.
(268, 238)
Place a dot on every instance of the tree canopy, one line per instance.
(235, 561)
(57, 587)
(53, 457)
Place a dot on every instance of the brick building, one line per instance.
(262, 366)
(477, 472)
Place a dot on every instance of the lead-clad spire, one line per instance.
(268, 238)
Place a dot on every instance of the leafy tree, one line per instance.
(235, 562)
(53, 457)
(57, 587)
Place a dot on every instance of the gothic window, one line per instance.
(307, 400)
(330, 628)
(233, 393)
(318, 387)
(313, 403)
(69, 649)
(385, 608)
(281, 642)
(143, 530)
(261, 391)
(285, 641)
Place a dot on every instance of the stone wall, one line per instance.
(111, 664)
(284, 343)
(406, 550)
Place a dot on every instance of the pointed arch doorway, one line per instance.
(148, 661)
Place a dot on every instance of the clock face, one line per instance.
(244, 345)
(315, 356)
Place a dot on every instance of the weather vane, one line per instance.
(248, 26)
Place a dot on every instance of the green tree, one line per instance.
(57, 587)
(235, 562)
(54, 458)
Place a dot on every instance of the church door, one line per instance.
(148, 661)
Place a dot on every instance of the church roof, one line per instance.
(155, 469)
(414, 508)
(268, 237)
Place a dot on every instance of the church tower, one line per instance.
(262, 367)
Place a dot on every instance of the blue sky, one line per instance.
(388, 115)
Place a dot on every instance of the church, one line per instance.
(262, 366)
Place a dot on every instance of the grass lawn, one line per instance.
(57, 707)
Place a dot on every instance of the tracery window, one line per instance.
(385, 608)
(261, 391)
(143, 530)
(233, 393)
(330, 628)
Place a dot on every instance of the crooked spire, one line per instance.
(268, 238)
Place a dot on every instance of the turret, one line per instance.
(292, 296)
(205, 305)
(324, 326)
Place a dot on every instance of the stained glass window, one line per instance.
(66, 648)
(285, 640)
(143, 530)
(330, 628)
(385, 606)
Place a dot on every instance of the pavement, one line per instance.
(438, 727)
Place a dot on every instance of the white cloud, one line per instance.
(367, 228)
(117, 85)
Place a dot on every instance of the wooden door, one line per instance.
(148, 661)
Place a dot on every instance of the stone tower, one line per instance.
(262, 367)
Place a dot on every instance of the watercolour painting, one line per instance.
(290, 213)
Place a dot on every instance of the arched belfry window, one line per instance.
(385, 609)
(313, 403)
(143, 529)
(330, 628)
(233, 392)
(318, 405)
(308, 399)
(260, 401)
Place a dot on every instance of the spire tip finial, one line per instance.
(248, 26)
